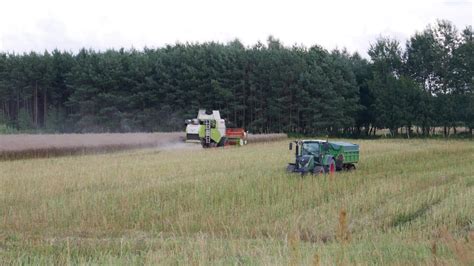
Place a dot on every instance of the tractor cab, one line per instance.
(311, 148)
(309, 156)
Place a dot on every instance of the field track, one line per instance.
(13, 147)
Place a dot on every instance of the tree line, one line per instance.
(266, 87)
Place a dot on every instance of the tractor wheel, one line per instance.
(290, 168)
(319, 170)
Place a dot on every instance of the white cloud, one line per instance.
(70, 25)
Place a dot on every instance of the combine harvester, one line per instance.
(209, 129)
(323, 156)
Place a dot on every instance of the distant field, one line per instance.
(49, 145)
(409, 202)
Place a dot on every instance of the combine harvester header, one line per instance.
(210, 130)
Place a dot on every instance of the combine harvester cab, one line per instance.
(322, 156)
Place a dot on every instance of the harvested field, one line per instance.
(408, 203)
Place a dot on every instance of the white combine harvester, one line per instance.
(193, 125)
(209, 129)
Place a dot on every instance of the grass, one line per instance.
(409, 202)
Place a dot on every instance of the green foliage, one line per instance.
(54, 120)
(266, 87)
(4, 129)
(24, 120)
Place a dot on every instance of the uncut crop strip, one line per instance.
(254, 138)
(14, 147)
(63, 151)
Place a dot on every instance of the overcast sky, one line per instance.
(71, 25)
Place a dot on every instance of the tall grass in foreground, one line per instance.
(239, 206)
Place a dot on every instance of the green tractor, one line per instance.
(322, 156)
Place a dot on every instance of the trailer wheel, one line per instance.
(350, 167)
